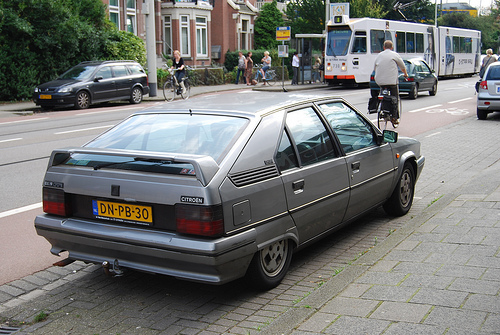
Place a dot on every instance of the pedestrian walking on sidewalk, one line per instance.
(249, 68)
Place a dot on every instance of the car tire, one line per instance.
(270, 264)
(82, 100)
(413, 92)
(434, 89)
(136, 96)
(402, 197)
(481, 114)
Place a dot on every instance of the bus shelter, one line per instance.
(305, 44)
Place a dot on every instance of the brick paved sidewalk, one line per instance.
(434, 271)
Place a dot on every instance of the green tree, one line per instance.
(306, 16)
(366, 8)
(265, 26)
(40, 39)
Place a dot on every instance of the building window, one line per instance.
(201, 37)
(114, 12)
(131, 17)
(245, 24)
(185, 40)
(167, 35)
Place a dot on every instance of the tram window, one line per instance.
(420, 43)
(338, 42)
(468, 45)
(359, 45)
(377, 38)
(400, 42)
(410, 42)
(456, 44)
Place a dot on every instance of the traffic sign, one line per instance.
(283, 33)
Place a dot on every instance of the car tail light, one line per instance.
(484, 85)
(56, 202)
(199, 220)
(410, 79)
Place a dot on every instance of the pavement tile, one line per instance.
(381, 278)
(350, 306)
(462, 271)
(435, 297)
(399, 328)
(475, 286)
(390, 293)
(384, 265)
(418, 268)
(399, 311)
(453, 318)
(356, 325)
(492, 323)
(448, 259)
(482, 302)
(354, 290)
(318, 322)
(492, 274)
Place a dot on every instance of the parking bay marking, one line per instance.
(457, 101)
(20, 210)
(11, 139)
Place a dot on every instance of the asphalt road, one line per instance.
(26, 143)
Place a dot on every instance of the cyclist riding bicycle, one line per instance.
(266, 64)
(178, 64)
(386, 73)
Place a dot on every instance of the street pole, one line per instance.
(151, 46)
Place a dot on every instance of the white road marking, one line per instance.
(20, 210)
(27, 120)
(85, 129)
(434, 134)
(11, 139)
(457, 101)
(424, 108)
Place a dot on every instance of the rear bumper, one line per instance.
(211, 261)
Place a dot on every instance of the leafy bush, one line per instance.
(41, 39)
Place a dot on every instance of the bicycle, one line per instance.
(385, 107)
(172, 88)
(270, 75)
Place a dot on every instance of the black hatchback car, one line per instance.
(93, 82)
(420, 79)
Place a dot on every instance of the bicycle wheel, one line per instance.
(169, 91)
(272, 79)
(185, 95)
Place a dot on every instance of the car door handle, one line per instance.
(355, 166)
(298, 186)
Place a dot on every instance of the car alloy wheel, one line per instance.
(270, 264)
(136, 97)
(82, 100)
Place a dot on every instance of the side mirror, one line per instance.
(390, 136)
(96, 79)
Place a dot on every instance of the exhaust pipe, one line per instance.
(112, 270)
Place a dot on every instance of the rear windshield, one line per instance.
(196, 134)
(493, 73)
(79, 72)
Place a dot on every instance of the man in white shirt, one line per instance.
(386, 71)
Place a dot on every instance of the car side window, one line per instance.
(105, 73)
(285, 157)
(135, 69)
(352, 130)
(120, 71)
(310, 135)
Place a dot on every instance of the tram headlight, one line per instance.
(343, 67)
(329, 67)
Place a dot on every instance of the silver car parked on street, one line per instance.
(488, 94)
(212, 195)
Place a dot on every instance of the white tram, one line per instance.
(352, 45)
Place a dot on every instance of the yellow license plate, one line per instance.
(45, 96)
(122, 212)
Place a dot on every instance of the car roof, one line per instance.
(241, 105)
(99, 62)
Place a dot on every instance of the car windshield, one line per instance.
(79, 72)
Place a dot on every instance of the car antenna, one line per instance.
(190, 112)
